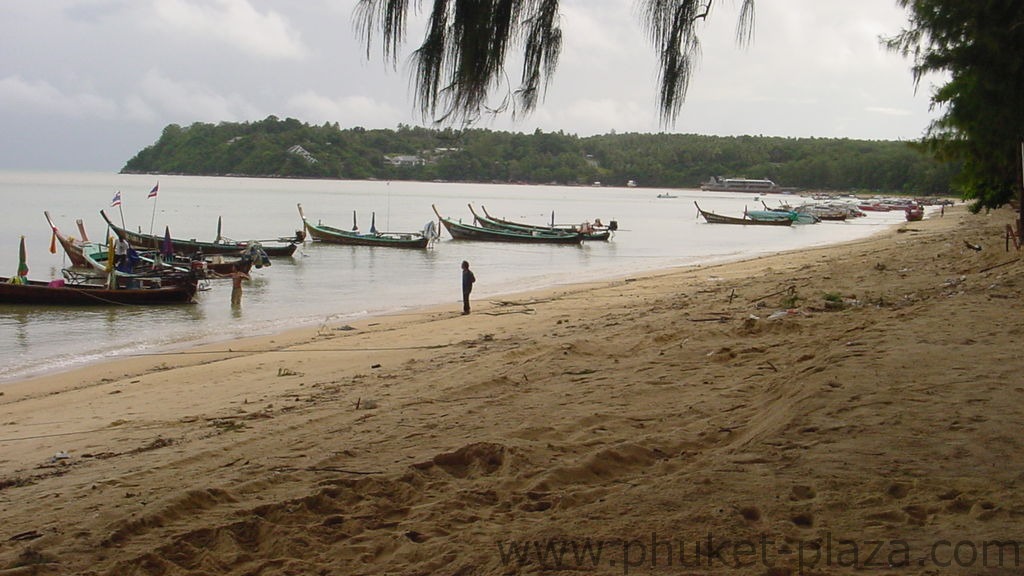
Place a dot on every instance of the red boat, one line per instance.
(874, 207)
(914, 213)
(59, 293)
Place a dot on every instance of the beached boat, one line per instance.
(460, 231)
(329, 234)
(719, 184)
(595, 231)
(61, 293)
(279, 247)
(824, 213)
(796, 217)
(713, 218)
(813, 212)
(914, 213)
(874, 207)
(796, 214)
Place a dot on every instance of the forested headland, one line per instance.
(289, 148)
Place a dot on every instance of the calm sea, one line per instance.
(338, 283)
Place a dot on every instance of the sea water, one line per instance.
(331, 284)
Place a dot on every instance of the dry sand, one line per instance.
(848, 410)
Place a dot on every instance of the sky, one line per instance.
(86, 84)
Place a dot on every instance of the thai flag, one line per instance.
(152, 193)
(117, 199)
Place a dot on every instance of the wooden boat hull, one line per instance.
(874, 207)
(771, 215)
(332, 235)
(153, 242)
(460, 231)
(147, 266)
(713, 218)
(93, 256)
(488, 221)
(800, 215)
(37, 293)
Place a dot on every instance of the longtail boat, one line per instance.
(774, 215)
(75, 249)
(282, 247)
(713, 218)
(460, 231)
(87, 255)
(329, 234)
(590, 232)
(811, 213)
(914, 213)
(60, 293)
(797, 215)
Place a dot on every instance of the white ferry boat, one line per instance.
(719, 184)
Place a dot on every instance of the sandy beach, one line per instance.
(843, 410)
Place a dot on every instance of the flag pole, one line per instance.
(121, 210)
(153, 194)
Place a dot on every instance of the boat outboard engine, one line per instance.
(613, 225)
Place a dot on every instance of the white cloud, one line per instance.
(814, 69)
(234, 22)
(190, 102)
(44, 98)
(347, 111)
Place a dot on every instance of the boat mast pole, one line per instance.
(152, 218)
(119, 209)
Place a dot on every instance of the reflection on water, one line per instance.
(331, 283)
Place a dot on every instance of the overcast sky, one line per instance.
(86, 84)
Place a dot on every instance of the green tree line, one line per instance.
(290, 148)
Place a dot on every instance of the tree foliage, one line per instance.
(268, 148)
(977, 45)
(466, 44)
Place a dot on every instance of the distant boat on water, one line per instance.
(719, 184)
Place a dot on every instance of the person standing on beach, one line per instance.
(467, 285)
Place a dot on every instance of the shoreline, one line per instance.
(207, 346)
(864, 390)
(184, 345)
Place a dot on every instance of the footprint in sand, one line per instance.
(984, 510)
(803, 520)
(750, 513)
(898, 490)
(802, 493)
